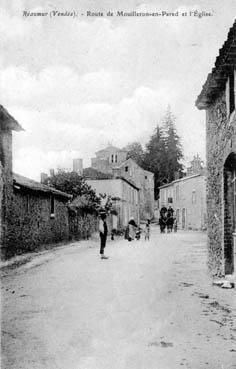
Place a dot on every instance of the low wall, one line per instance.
(30, 224)
(82, 226)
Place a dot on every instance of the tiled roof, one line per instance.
(183, 179)
(91, 173)
(110, 148)
(216, 80)
(7, 121)
(36, 186)
(127, 161)
(124, 163)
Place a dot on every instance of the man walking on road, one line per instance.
(103, 234)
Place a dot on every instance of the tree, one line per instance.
(75, 185)
(135, 152)
(154, 158)
(163, 153)
(173, 147)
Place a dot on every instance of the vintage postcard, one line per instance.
(118, 184)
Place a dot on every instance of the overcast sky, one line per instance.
(75, 84)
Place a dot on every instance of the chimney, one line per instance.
(52, 172)
(43, 177)
(78, 166)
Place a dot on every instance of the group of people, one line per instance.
(167, 220)
(133, 231)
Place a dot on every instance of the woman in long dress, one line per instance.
(132, 226)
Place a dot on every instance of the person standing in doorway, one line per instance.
(103, 234)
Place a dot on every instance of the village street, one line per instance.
(151, 305)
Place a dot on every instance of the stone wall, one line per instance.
(1, 205)
(102, 165)
(82, 226)
(30, 224)
(220, 142)
(6, 184)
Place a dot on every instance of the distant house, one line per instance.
(113, 161)
(218, 99)
(31, 213)
(123, 192)
(108, 158)
(144, 180)
(187, 196)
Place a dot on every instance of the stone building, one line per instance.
(38, 216)
(123, 192)
(144, 179)
(113, 160)
(187, 196)
(7, 125)
(78, 166)
(31, 213)
(108, 158)
(218, 99)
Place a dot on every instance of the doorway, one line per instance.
(183, 218)
(229, 213)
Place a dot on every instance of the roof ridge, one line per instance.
(219, 73)
(6, 117)
(28, 183)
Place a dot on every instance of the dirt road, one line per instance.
(150, 306)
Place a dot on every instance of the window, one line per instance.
(52, 207)
(177, 215)
(194, 197)
(177, 192)
(116, 158)
(112, 158)
(145, 177)
(126, 169)
(183, 218)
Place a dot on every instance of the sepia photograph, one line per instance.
(118, 184)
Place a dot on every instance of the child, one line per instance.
(138, 233)
(175, 225)
(147, 230)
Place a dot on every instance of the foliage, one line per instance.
(106, 202)
(72, 183)
(155, 158)
(162, 154)
(173, 147)
(135, 152)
